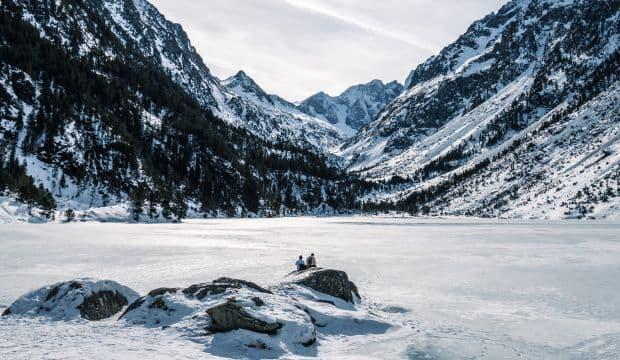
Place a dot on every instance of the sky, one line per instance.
(295, 48)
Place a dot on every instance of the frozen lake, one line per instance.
(460, 289)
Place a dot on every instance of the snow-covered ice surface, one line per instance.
(458, 288)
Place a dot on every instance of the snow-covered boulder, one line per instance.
(335, 283)
(228, 313)
(90, 299)
(233, 318)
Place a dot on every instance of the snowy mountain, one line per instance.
(139, 24)
(105, 104)
(277, 118)
(107, 110)
(355, 107)
(519, 117)
(168, 45)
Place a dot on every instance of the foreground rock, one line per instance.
(233, 318)
(89, 299)
(331, 282)
(228, 313)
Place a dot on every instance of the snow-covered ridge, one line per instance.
(295, 123)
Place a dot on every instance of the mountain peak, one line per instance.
(355, 107)
(242, 75)
(243, 81)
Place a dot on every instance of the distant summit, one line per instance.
(355, 107)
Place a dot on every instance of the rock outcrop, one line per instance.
(231, 316)
(102, 305)
(82, 298)
(227, 309)
(331, 282)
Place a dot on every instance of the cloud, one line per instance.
(295, 48)
(322, 9)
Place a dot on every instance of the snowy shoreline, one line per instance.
(20, 214)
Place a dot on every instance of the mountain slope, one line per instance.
(355, 107)
(93, 119)
(139, 25)
(533, 65)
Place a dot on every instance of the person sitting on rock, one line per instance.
(311, 261)
(301, 265)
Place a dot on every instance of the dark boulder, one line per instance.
(331, 282)
(101, 305)
(258, 301)
(230, 316)
(155, 299)
(239, 283)
(6, 312)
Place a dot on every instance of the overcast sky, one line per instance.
(295, 48)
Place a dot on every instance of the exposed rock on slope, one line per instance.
(221, 285)
(229, 310)
(81, 298)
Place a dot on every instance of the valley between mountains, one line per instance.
(108, 113)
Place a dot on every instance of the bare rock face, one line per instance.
(231, 316)
(331, 282)
(88, 299)
(102, 305)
